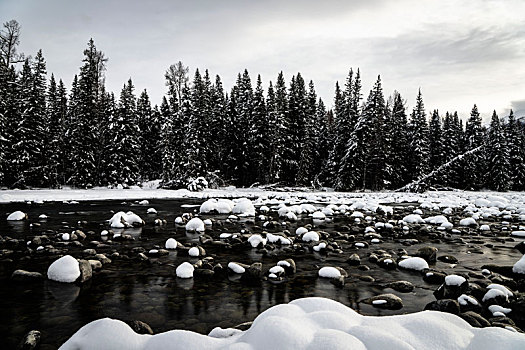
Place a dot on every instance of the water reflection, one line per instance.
(18, 227)
(134, 232)
(64, 293)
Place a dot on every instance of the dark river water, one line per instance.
(130, 289)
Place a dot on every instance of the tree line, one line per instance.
(284, 134)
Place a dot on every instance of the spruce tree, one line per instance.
(309, 152)
(516, 151)
(474, 137)
(259, 137)
(418, 141)
(123, 150)
(435, 141)
(85, 118)
(497, 176)
(54, 134)
(280, 127)
(397, 148)
(149, 124)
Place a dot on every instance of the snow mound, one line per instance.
(454, 280)
(124, 220)
(329, 272)
(413, 263)
(65, 269)
(195, 224)
(311, 323)
(244, 207)
(518, 233)
(208, 206)
(413, 219)
(310, 236)
(519, 267)
(467, 222)
(17, 216)
(185, 270)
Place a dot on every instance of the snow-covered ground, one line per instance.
(430, 200)
(310, 323)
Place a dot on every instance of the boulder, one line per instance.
(444, 305)
(26, 276)
(385, 301)
(86, 271)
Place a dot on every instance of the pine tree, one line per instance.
(497, 177)
(149, 124)
(309, 151)
(54, 133)
(279, 127)
(474, 137)
(217, 126)
(259, 137)
(194, 162)
(516, 151)
(397, 147)
(418, 141)
(85, 118)
(324, 126)
(123, 152)
(296, 122)
(28, 155)
(435, 141)
(363, 165)
(338, 150)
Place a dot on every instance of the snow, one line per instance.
(413, 219)
(276, 270)
(194, 251)
(310, 323)
(124, 220)
(493, 293)
(484, 228)
(171, 243)
(17, 216)
(318, 215)
(414, 263)
(236, 267)
(151, 211)
(244, 207)
(310, 236)
(64, 269)
(379, 302)
(502, 288)
(500, 309)
(185, 270)
(208, 222)
(464, 300)
(454, 280)
(519, 266)
(467, 222)
(195, 224)
(329, 272)
(179, 220)
(255, 240)
(518, 233)
(301, 230)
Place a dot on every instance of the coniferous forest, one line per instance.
(243, 136)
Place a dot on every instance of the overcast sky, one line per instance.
(458, 52)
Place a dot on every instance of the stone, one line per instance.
(26, 276)
(401, 286)
(444, 305)
(102, 258)
(474, 319)
(449, 259)
(30, 341)
(385, 301)
(253, 272)
(140, 327)
(354, 260)
(95, 264)
(428, 253)
(86, 271)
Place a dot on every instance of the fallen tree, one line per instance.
(422, 184)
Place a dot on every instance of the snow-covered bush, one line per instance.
(197, 184)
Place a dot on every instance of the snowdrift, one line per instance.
(310, 323)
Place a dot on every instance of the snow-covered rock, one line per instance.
(329, 272)
(195, 225)
(185, 270)
(311, 323)
(194, 252)
(310, 236)
(171, 243)
(413, 219)
(244, 207)
(236, 268)
(255, 240)
(413, 263)
(454, 280)
(519, 266)
(125, 220)
(17, 216)
(151, 211)
(467, 222)
(65, 269)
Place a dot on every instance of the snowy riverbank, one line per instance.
(310, 323)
